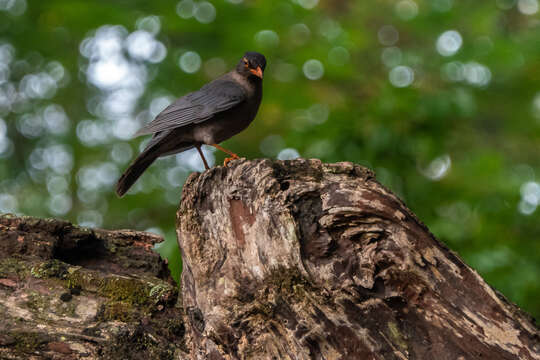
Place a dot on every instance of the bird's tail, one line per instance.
(133, 172)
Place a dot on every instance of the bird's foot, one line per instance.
(229, 159)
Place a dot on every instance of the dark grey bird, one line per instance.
(216, 112)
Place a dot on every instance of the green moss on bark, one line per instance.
(13, 266)
(50, 269)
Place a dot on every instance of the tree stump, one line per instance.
(304, 260)
(69, 292)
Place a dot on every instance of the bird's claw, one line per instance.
(229, 159)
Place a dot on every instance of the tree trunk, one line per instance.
(68, 292)
(304, 260)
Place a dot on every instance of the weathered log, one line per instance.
(304, 260)
(68, 292)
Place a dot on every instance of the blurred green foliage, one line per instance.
(441, 98)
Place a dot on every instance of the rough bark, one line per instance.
(304, 260)
(68, 292)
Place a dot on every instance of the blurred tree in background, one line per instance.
(440, 97)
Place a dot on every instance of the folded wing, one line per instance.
(197, 107)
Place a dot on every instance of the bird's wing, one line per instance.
(198, 106)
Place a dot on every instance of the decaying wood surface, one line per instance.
(282, 260)
(304, 260)
(68, 292)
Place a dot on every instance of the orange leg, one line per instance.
(233, 155)
(202, 156)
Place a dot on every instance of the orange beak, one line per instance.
(257, 72)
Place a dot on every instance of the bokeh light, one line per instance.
(288, 154)
(267, 38)
(313, 69)
(477, 74)
(190, 62)
(300, 33)
(142, 45)
(330, 29)
(530, 197)
(406, 9)
(388, 35)
(528, 7)
(90, 218)
(391, 56)
(272, 145)
(8, 203)
(60, 204)
(6, 145)
(13, 7)
(307, 4)
(536, 106)
(401, 76)
(151, 24)
(121, 153)
(442, 5)
(191, 159)
(438, 168)
(339, 56)
(185, 9)
(449, 42)
(204, 12)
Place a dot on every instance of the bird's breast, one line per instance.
(226, 124)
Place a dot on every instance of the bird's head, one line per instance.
(252, 65)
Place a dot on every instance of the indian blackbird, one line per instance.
(216, 112)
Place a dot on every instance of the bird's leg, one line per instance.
(202, 156)
(233, 155)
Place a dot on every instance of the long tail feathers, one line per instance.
(133, 172)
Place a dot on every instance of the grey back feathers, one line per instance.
(198, 106)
